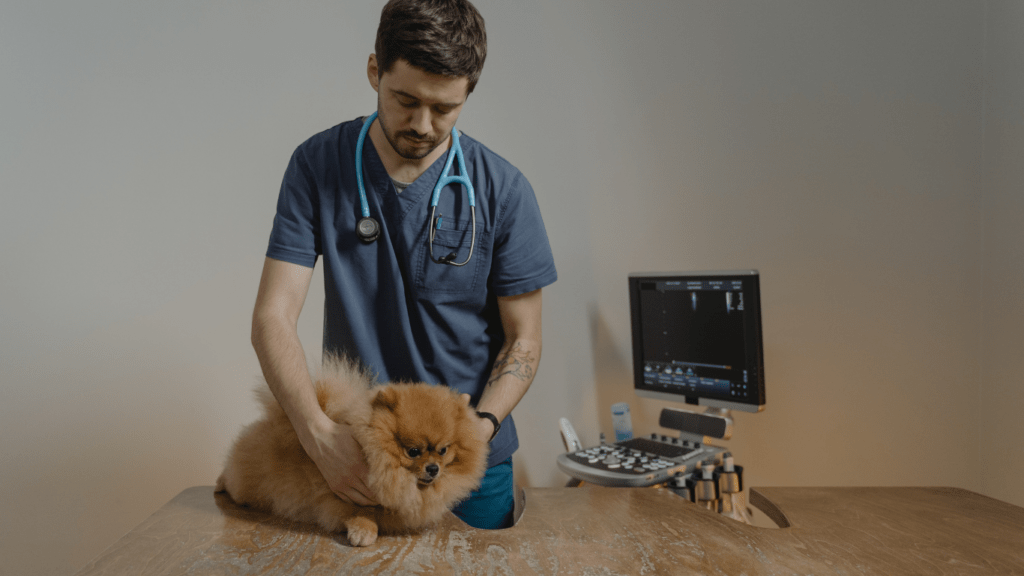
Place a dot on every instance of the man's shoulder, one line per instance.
(476, 149)
(329, 138)
(495, 164)
(324, 153)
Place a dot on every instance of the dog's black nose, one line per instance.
(432, 470)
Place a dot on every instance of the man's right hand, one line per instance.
(340, 459)
(275, 338)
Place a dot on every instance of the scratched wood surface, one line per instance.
(606, 531)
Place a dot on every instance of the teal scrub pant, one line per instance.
(492, 506)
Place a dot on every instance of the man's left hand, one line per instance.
(484, 427)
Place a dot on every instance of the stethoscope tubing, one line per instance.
(454, 153)
(363, 203)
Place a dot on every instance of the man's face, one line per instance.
(416, 109)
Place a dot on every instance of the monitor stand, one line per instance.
(694, 427)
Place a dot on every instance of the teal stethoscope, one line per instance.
(368, 229)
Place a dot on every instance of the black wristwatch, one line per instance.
(493, 419)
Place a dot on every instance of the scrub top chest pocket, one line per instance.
(451, 237)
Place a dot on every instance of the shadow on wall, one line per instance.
(613, 378)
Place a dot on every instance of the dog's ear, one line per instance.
(386, 398)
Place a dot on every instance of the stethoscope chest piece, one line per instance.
(368, 229)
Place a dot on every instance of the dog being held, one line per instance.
(422, 453)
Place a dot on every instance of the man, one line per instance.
(398, 303)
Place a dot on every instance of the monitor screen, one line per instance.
(697, 338)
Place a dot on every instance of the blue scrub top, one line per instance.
(403, 316)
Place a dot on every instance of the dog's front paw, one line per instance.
(361, 531)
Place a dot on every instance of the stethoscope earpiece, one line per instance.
(368, 229)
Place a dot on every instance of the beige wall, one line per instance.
(861, 155)
(836, 148)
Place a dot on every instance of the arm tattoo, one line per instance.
(517, 361)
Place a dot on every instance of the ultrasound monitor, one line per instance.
(697, 338)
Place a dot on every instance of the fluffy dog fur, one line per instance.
(402, 428)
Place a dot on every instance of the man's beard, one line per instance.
(399, 140)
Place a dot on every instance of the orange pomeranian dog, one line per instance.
(421, 451)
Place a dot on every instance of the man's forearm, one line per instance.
(513, 372)
(283, 362)
(518, 358)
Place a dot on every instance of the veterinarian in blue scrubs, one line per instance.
(400, 302)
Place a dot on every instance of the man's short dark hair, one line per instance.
(444, 37)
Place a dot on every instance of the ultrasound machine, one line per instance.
(696, 341)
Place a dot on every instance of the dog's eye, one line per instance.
(413, 452)
(442, 451)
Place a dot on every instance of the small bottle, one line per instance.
(621, 422)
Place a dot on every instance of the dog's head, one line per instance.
(430, 427)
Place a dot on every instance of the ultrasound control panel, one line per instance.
(637, 462)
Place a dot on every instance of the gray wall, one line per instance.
(862, 155)
(1001, 384)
